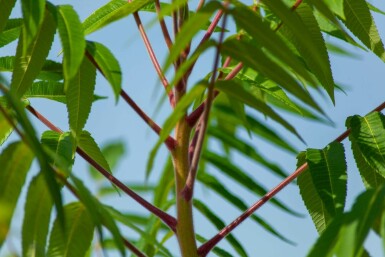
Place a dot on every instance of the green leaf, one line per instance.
(336, 6)
(245, 148)
(61, 145)
(15, 162)
(5, 128)
(30, 61)
(118, 216)
(370, 177)
(34, 144)
(327, 168)
(89, 146)
(317, 62)
(258, 128)
(170, 122)
(52, 90)
(368, 134)
(345, 235)
(219, 224)
(108, 65)
(99, 214)
(33, 16)
(11, 31)
(112, 11)
(233, 89)
(112, 153)
(37, 214)
(251, 22)
(6, 9)
(72, 39)
(77, 235)
(302, 28)
(359, 21)
(80, 91)
(234, 172)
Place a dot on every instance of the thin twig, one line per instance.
(189, 187)
(153, 58)
(170, 142)
(163, 26)
(206, 247)
(200, 4)
(165, 217)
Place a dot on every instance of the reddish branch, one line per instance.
(189, 187)
(165, 217)
(206, 247)
(163, 26)
(153, 58)
(170, 142)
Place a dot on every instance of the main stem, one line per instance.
(185, 226)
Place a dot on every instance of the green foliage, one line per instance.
(75, 237)
(273, 60)
(15, 162)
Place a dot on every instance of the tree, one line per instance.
(265, 58)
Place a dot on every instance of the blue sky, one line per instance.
(362, 78)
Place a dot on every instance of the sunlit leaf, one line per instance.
(37, 214)
(33, 16)
(368, 134)
(108, 65)
(6, 9)
(90, 147)
(80, 92)
(369, 175)
(15, 162)
(346, 234)
(112, 11)
(5, 127)
(30, 61)
(75, 237)
(11, 31)
(233, 89)
(72, 40)
(99, 214)
(359, 21)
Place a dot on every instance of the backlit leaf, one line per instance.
(80, 92)
(11, 31)
(361, 23)
(6, 9)
(37, 213)
(28, 63)
(72, 39)
(33, 16)
(368, 134)
(76, 237)
(112, 11)
(15, 162)
(108, 65)
(5, 128)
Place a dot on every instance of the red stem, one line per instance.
(153, 58)
(206, 247)
(170, 142)
(165, 217)
(163, 26)
(189, 187)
